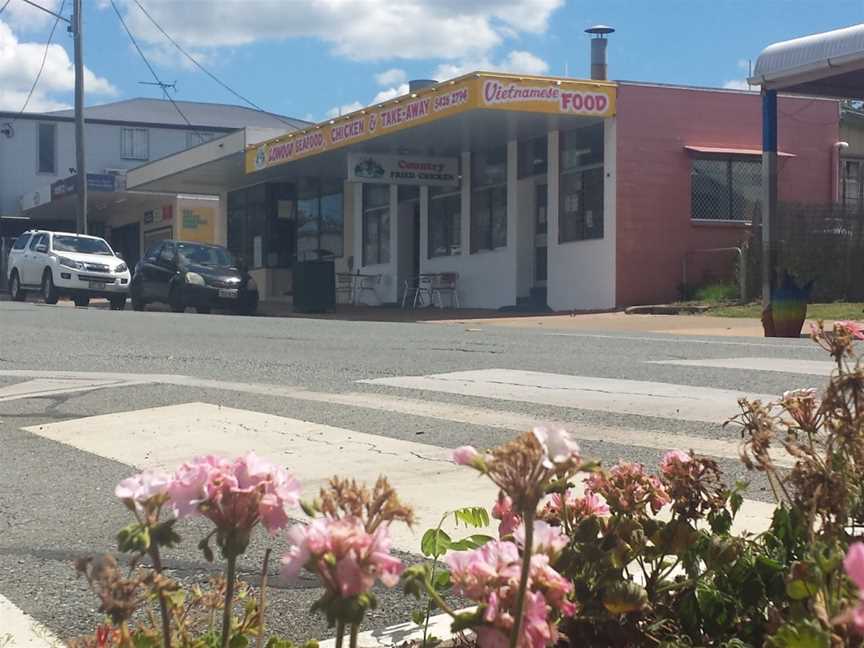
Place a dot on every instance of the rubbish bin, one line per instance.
(315, 282)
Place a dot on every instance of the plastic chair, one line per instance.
(367, 283)
(345, 286)
(409, 291)
(424, 289)
(445, 283)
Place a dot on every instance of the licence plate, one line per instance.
(228, 293)
(97, 285)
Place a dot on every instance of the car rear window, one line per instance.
(84, 245)
(206, 255)
(21, 242)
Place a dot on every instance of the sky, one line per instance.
(313, 59)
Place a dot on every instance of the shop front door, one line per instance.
(540, 242)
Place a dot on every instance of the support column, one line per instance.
(769, 196)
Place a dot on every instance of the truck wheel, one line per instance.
(118, 303)
(15, 290)
(81, 300)
(49, 291)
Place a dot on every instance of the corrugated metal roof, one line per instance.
(714, 150)
(810, 62)
(208, 115)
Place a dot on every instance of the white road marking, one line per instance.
(40, 387)
(19, 630)
(458, 413)
(424, 476)
(644, 398)
(783, 365)
(684, 339)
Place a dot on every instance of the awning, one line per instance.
(713, 150)
(828, 64)
(475, 112)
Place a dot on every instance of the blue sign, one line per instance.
(95, 182)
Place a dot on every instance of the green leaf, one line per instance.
(475, 517)
(134, 538)
(141, 640)
(441, 581)
(621, 597)
(803, 634)
(163, 534)
(204, 546)
(419, 617)
(238, 641)
(471, 542)
(435, 543)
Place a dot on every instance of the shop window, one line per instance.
(580, 212)
(852, 183)
(134, 144)
(533, 157)
(332, 237)
(726, 189)
(489, 200)
(47, 148)
(445, 221)
(376, 224)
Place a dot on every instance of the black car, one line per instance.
(183, 274)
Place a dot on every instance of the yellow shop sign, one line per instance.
(477, 91)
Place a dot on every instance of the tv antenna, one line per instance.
(161, 84)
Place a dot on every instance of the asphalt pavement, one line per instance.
(60, 364)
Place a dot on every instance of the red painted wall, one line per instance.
(654, 228)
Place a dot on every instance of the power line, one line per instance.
(153, 72)
(5, 4)
(42, 65)
(206, 71)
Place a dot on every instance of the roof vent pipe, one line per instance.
(598, 50)
(418, 84)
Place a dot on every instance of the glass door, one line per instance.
(540, 226)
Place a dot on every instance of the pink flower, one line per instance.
(343, 554)
(503, 510)
(627, 488)
(235, 495)
(578, 508)
(558, 446)
(465, 455)
(855, 329)
(490, 576)
(854, 566)
(140, 488)
(547, 539)
(672, 459)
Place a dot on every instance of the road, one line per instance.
(88, 396)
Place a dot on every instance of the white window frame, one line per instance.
(39, 126)
(136, 152)
(194, 138)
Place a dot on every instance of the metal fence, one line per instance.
(822, 244)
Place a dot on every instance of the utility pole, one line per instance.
(75, 27)
(81, 177)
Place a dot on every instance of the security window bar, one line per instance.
(580, 212)
(47, 148)
(445, 221)
(376, 224)
(194, 138)
(852, 183)
(725, 189)
(489, 200)
(134, 144)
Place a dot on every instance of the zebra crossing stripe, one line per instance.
(782, 365)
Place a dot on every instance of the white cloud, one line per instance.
(365, 30)
(390, 93)
(19, 65)
(737, 84)
(342, 110)
(517, 61)
(393, 76)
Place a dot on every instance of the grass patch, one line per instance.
(832, 311)
(716, 292)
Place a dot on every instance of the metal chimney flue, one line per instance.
(598, 50)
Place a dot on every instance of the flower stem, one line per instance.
(230, 570)
(340, 633)
(528, 521)
(355, 629)
(163, 604)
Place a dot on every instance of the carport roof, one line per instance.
(829, 64)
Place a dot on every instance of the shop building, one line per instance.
(37, 174)
(536, 190)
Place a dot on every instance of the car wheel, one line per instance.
(118, 303)
(202, 310)
(247, 309)
(49, 291)
(81, 300)
(15, 288)
(175, 301)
